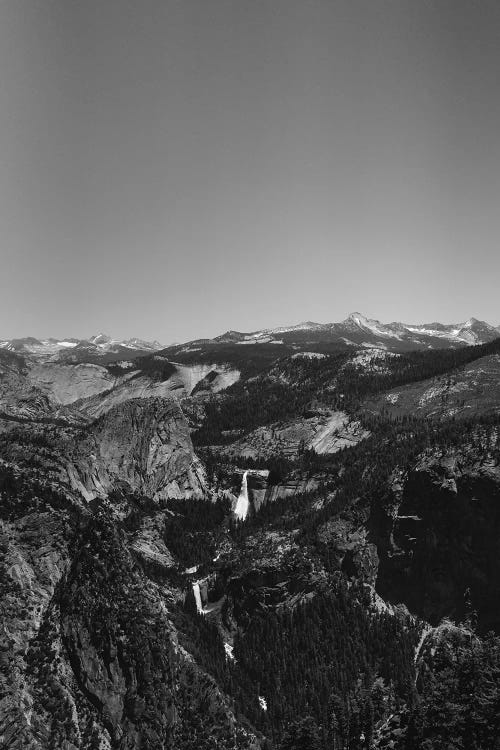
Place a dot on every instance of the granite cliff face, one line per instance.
(143, 446)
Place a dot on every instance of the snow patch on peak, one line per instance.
(357, 318)
(100, 338)
(307, 326)
(373, 326)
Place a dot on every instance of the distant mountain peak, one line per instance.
(100, 338)
(361, 320)
(356, 317)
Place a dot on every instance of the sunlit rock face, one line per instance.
(324, 431)
(142, 445)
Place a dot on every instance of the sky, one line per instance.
(172, 169)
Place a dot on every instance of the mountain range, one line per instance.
(355, 330)
(73, 349)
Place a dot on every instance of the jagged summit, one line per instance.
(359, 330)
(100, 338)
(358, 318)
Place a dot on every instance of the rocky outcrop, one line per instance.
(323, 431)
(351, 549)
(143, 446)
(290, 487)
(217, 379)
(147, 543)
(67, 383)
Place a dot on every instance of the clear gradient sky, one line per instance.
(174, 168)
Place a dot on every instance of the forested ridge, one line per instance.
(290, 385)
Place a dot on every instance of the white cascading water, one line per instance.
(197, 598)
(241, 507)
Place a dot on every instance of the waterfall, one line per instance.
(427, 629)
(197, 597)
(241, 507)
